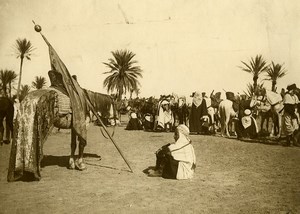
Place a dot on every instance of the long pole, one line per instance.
(38, 29)
(110, 137)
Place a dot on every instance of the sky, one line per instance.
(182, 46)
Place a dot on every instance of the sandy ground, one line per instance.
(231, 177)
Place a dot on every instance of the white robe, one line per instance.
(183, 151)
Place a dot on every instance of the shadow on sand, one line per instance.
(62, 161)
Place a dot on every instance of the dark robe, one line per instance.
(166, 162)
(134, 124)
(183, 114)
(243, 105)
(195, 123)
(249, 132)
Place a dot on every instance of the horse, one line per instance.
(7, 112)
(265, 116)
(212, 104)
(39, 112)
(105, 107)
(273, 102)
(179, 109)
(147, 112)
(229, 110)
(122, 107)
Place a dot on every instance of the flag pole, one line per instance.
(39, 29)
(110, 137)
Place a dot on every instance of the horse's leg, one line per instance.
(120, 117)
(79, 162)
(272, 128)
(227, 127)
(279, 124)
(262, 121)
(267, 124)
(222, 120)
(9, 124)
(1, 130)
(73, 149)
(227, 121)
(276, 127)
(9, 128)
(212, 119)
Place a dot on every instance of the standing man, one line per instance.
(198, 113)
(290, 119)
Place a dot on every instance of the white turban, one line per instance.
(183, 129)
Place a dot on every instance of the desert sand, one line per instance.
(231, 177)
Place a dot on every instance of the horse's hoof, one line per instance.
(71, 164)
(79, 165)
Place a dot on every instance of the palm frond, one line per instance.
(123, 73)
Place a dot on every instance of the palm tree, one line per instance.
(137, 92)
(255, 67)
(12, 76)
(274, 72)
(23, 50)
(39, 82)
(4, 81)
(250, 89)
(7, 77)
(24, 91)
(130, 93)
(123, 73)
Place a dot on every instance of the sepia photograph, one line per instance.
(149, 106)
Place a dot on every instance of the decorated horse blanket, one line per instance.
(33, 123)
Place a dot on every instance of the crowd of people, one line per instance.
(178, 160)
(202, 116)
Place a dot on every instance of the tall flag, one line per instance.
(75, 92)
(79, 100)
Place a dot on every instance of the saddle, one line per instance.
(62, 109)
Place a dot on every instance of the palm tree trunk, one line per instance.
(274, 86)
(9, 85)
(255, 83)
(120, 94)
(20, 77)
(5, 90)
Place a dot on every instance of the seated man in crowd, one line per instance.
(134, 122)
(165, 118)
(175, 160)
(246, 127)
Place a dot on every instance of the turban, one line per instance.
(183, 129)
(247, 112)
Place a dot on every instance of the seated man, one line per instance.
(165, 118)
(246, 126)
(176, 160)
(134, 122)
